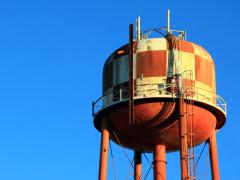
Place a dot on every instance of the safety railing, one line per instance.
(163, 90)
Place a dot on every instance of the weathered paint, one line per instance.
(104, 151)
(157, 122)
(203, 71)
(159, 162)
(186, 46)
(214, 156)
(153, 63)
(183, 137)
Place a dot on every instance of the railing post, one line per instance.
(145, 92)
(120, 94)
(197, 93)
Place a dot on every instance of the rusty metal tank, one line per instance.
(155, 95)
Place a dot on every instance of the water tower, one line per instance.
(159, 95)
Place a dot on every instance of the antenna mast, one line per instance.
(168, 21)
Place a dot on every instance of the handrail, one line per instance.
(166, 90)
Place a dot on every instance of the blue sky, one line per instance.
(51, 58)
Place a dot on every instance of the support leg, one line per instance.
(137, 165)
(160, 162)
(104, 151)
(213, 156)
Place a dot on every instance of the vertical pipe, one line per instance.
(131, 80)
(168, 21)
(185, 35)
(138, 28)
(159, 157)
(103, 151)
(137, 165)
(213, 156)
(183, 141)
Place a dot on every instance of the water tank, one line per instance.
(156, 63)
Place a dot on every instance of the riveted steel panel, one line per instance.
(151, 63)
(204, 70)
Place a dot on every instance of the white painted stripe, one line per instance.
(152, 44)
(200, 51)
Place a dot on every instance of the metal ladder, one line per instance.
(188, 87)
